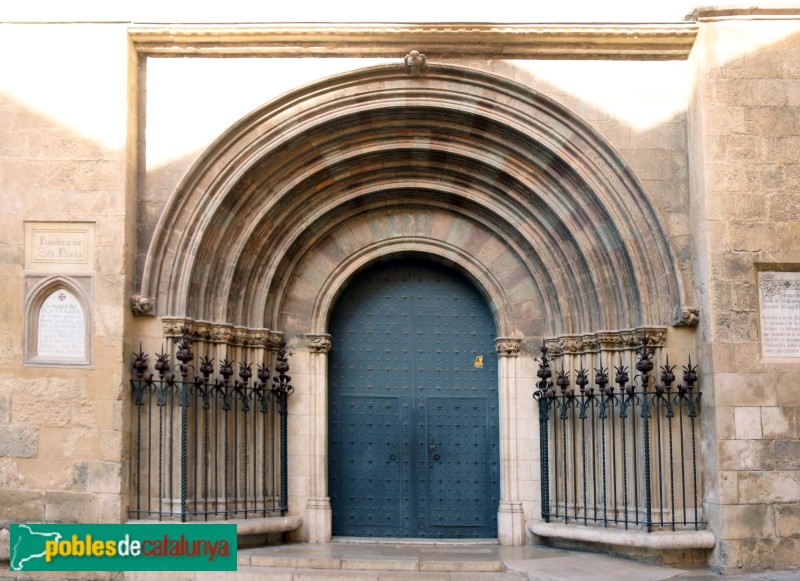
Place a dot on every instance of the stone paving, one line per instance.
(392, 561)
(439, 562)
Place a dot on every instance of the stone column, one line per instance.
(510, 516)
(318, 523)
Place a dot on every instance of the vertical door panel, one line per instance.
(413, 406)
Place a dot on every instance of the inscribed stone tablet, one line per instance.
(779, 295)
(62, 327)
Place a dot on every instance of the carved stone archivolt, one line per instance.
(507, 346)
(621, 340)
(222, 333)
(319, 343)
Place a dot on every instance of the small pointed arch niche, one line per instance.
(58, 322)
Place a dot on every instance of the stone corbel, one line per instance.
(143, 306)
(685, 316)
(415, 62)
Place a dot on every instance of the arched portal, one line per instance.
(507, 171)
(461, 166)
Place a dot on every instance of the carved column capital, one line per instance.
(508, 346)
(319, 343)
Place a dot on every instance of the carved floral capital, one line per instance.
(319, 343)
(507, 346)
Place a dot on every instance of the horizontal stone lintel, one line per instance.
(660, 540)
(510, 41)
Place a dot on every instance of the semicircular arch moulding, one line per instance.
(489, 156)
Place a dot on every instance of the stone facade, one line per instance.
(639, 182)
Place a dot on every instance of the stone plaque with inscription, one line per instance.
(59, 246)
(61, 332)
(779, 297)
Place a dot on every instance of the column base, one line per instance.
(319, 520)
(511, 524)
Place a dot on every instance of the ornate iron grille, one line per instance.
(205, 447)
(619, 456)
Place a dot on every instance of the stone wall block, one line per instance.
(103, 477)
(70, 507)
(780, 423)
(765, 177)
(745, 455)
(746, 389)
(5, 408)
(772, 120)
(21, 505)
(786, 390)
(781, 149)
(787, 456)
(748, 423)
(19, 441)
(760, 554)
(787, 520)
(769, 487)
(728, 487)
(747, 521)
(736, 326)
(26, 409)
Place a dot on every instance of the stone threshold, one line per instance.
(413, 541)
(659, 540)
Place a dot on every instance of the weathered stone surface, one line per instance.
(770, 553)
(748, 423)
(787, 520)
(745, 389)
(99, 476)
(780, 423)
(769, 487)
(745, 455)
(22, 505)
(5, 538)
(18, 441)
(70, 507)
(787, 456)
(747, 521)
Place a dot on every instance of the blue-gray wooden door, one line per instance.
(413, 416)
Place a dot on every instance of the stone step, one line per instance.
(253, 572)
(366, 563)
(463, 564)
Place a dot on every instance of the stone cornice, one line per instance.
(717, 13)
(668, 41)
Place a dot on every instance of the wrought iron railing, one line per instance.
(619, 456)
(205, 447)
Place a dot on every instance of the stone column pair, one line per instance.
(510, 517)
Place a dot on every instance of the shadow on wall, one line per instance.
(61, 429)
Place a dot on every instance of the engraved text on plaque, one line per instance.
(779, 295)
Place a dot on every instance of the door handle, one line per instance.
(433, 447)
